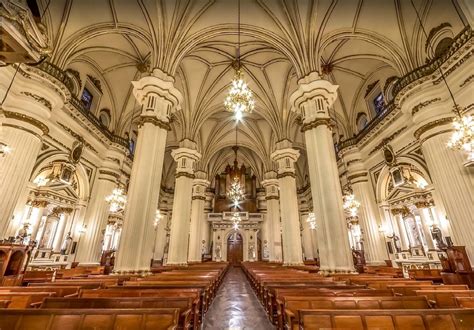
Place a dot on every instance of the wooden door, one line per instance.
(235, 249)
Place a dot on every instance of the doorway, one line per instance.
(235, 249)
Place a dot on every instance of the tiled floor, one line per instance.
(236, 306)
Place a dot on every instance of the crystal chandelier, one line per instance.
(236, 220)
(350, 205)
(236, 193)
(463, 136)
(239, 97)
(117, 200)
(311, 220)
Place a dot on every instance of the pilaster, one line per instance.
(273, 216)
(200, 184)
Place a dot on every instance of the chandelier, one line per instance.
(350, 204)
(236, 220)
(117, 200)
(311, 220)
(235, 192)
(463, 136)
(239, 97)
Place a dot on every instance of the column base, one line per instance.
(194, 262)
(341, 270)
(376, 263)
(88, 264)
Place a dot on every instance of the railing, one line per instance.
(59, 74)
(464, 36)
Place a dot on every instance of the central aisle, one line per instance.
(236, 306)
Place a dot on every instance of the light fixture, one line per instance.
(41, 181)
(350, 204)
(236, 220)
(311, 220)
(117, 200)
(239, 98)
(82, 229)
(158, 217)
(236, 193)
(462, 138)
(4, 149)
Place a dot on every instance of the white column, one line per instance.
(307, 234)
(455, 185)
(160, 237)
(185, 156)
(273, 216)
(426, 222)
(59, 236)
(369, 221)
(285, 157)
(96, 217)
(197, 216)
(159, 98)
(402, 230)
(312, 100)
(35, 218)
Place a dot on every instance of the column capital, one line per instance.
(285, 156)
(200, 183)
(158, 97)
(185, 156)
(271, 185)
(313, 98)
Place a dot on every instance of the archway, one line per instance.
(235, 249)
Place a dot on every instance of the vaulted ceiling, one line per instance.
(354, 43)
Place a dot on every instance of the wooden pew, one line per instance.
(60, 291)
(409, 290)
(444, 298)
(120, 292)
(34, 276)
(25, 300)
(91, 284)
(465, 302)
(288, 317)
(426, 275)
(4, 303)
(185, 305)
(49, 319)
(387, 319)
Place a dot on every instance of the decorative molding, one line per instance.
(96, 82)
(285, 174)
(424, 104)
(110, 173)
(431, 125)
(155, 121)
(387, 140)
(39, 204)
(202, 198)
(467, 81)
(434, 31)
(77, 137)
(370, 87)
(27, 119)
(315, 123)
(39, 99)
(185, 174)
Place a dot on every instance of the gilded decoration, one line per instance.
(315, 123)
(27, 119)
(186, 174)
(39, 203)
(285, 174)
(467, 81)
(155, 121)
(424, 204)
(425, 128)
(39, 99)
(77, 136)
(387, 140)
(404, 211)
(424, 104)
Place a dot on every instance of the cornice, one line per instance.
(27, 119)
(425, 128)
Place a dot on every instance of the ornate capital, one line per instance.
(404, 211)
(313, 99)
(285, 156)
(39, 204)
(185, 157)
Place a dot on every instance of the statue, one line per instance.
(438, 238)
(66, 244)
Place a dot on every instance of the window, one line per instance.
(379, 103)
(443, 46)
(362, 121)
(104, 118)
(87, 98)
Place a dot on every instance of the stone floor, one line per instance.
(236, 306)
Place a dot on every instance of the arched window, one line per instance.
(443, 46)
(362, 121)
(104, 117)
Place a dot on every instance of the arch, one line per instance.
(361, 121)
(81, 175)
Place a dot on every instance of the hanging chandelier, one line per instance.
(236, 220)
(463, 136)
(239, 98)
(311, 220)
(117, 200)
(236, 193)
(350, 204)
